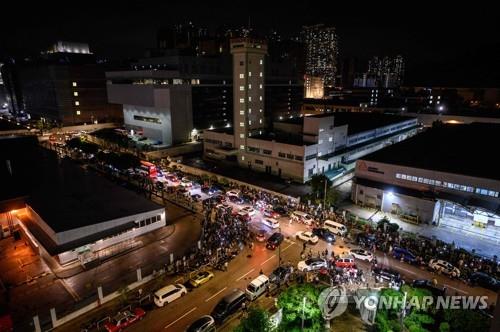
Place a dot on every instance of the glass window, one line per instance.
(431, 182)
(242, 100)
(261, 61)
(420, 180)
(426, 181)
(260, 74)
(75, 93)
(398, 175)
(242, 75)
(249, 86)
(463, 188)
(450, 185)
(242, 112)
(249, 74)
(242, 147)
(403, 176)
(456, 186)
(414, 178)
(478, 190)
(242, 124)
(484, 192)
(74, 84)
(260, 86)
(281, 154)
(491, 193)
(242, 88)
(250, 98)
(438, 183)
(77, 103)
(78, 112)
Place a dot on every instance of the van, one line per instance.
(228, 305)
(335, 227)
(257, 287)
(302, 217)
(270, 222)
(169, 294)
(405, 254)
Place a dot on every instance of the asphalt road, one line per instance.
(178, 315)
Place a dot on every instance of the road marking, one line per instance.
(243, 276)
(267, 260)
(70, 290)
(458, 290)
(177, 280)
(211, 297)
(178, 319)
(288, 247)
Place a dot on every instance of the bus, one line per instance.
(148, 168)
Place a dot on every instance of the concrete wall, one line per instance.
(157, 131)
(81, 232)
(40, 223)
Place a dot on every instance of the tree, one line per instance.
(466, 320)
(256, 321)
(317, 184)
(292, 303)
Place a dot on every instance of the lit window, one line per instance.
(330, 139)
(403, 176)
(250, 98)
(242, 75)
(249, 74)
(242, 135)
(260, 110)
(260, 98)
(242, 100)
(414, 178)
(242, 147)
(320, 141)
(77, 103)
(421, 180)
(74, 84)
(242, 112)
(260, 86)
(260, 74)
(261, 61)
(242, 157)
(78, 112)
(249, 111)
(242, 88)
(242, 124)
(75, 94)
(249, 86)
(260, 121)
(398, 175)
(250, 122)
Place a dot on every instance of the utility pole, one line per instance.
(303, 310)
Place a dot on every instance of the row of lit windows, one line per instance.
(75, 94)
(449, 185)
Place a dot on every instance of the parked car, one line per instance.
(366, 240)
(427, 284)
(169, 294)
(233, 192)
(404, 254)
(484, 280)
(362, 254)
(200, 278)
(185, 182)
(345, 262)
(250, 210)
(235, 199)
(274, 241)
(124, 319)
(271, 214)
(272, 223)
(312, 264)
(308, 237)
(229, 305)
(324, 234)
(302, 217)
(205, 323)
(281, 274)
(386, 274)
(439, 265)
(280, 210)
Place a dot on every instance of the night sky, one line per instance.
(448, 44)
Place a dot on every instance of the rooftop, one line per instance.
(357, 121)
(68, 197)
(459, 149)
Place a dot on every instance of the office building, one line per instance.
(443, 176)
(294, 147)
(66, 211)
(321, 52)
(64, 85)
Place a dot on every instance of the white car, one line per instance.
(312, 264)
(169, 294)
(361, 254)
(185, 182)
(307, 237)
(444, 267)
(235, 193)
(270, 222)
(250, 210)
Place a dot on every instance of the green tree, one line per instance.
(292, 303)
(317, 184)
(256, 321)
(466, 320)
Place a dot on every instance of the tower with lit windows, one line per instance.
(248, 89)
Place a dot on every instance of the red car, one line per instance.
(124, 319)
(344, 262)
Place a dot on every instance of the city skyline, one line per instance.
(434, 41)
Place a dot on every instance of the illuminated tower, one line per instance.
(248, 89)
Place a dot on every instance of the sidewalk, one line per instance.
(463, 239)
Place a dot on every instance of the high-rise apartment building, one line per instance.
(321, 52)
(248, 88)
(386, 72)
